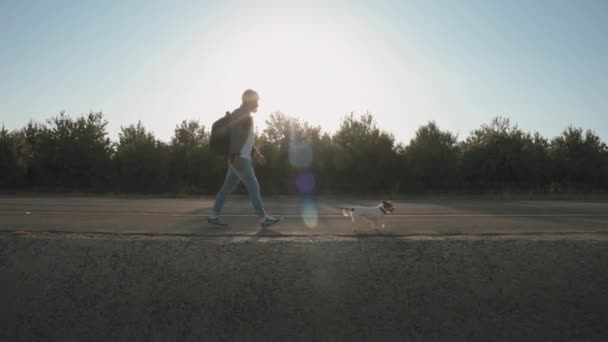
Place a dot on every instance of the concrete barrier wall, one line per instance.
(119, 288)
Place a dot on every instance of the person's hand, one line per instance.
(260, 159)
(236, 162)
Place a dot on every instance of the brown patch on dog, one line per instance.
(388, 206)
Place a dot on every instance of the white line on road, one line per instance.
(289, 215)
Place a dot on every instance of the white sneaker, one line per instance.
(269, 221)
(217, 221)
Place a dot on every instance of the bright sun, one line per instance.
(318, 71)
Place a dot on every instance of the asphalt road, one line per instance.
(113, 269)
(302, 217)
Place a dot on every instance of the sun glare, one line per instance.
(307, 69)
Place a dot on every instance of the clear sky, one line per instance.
(544, 64)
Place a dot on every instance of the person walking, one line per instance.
(240, 166)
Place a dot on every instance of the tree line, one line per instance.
(66, 154)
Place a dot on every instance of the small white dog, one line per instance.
(373, 214)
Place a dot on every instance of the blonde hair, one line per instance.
(250, 95)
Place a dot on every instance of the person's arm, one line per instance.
(239, 133)
(234, 155)
(237, 140)
(257, 152)
(258, 156)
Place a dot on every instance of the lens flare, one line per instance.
(305, 183)
(310, 213)
(300, 154)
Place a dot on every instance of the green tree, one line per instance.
(500, 156)
(67, 153)
(193, 168)
(289, 147)
(70, 154)
(13, 161)
(141, 161)
(432, 159)
(365, 156)
(578, 160)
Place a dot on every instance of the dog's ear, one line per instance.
(387, 203)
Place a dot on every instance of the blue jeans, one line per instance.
(233, 176)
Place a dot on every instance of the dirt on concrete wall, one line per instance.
(56, 287)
